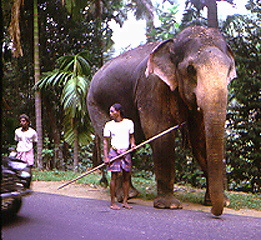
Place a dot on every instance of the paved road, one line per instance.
(56, 217)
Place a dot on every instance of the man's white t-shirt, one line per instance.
(25, 139)
(119, 132)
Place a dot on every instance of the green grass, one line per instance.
(190, 196)
(55, 175)
(244, 201)
(147, 189)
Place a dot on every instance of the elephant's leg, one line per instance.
(163, 154)
(97, 159)
(198, 144)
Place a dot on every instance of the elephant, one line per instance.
(166, 83)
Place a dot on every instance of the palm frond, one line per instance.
(66, 62)
(84, 130)
(47, 79)
(83, 137)
(74, 95)
(53, 78)
(85, 54)
(84, 66)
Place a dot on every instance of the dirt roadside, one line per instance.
(98, 192)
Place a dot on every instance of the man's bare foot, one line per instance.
(127, 206)
(115, 207)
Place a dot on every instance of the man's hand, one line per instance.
(106, 161)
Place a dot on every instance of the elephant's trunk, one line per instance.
(213, 106)
(214, 127)
(211, 93)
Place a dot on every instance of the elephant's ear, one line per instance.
(160, 64)
(232, 73)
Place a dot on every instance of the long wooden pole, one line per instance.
(121, 155)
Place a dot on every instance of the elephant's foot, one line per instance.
(207, 201)
(167, 201)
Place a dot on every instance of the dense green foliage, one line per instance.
(60, 34)
(244, 110)
(168, 25)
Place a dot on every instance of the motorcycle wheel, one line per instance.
(12, 207)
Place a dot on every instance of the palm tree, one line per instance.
(38, 102)
(14, 30)
(72, 77)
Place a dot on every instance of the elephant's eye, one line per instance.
(191, 70)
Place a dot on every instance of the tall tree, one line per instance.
(38, 102)
(14, 30)
(98, 28)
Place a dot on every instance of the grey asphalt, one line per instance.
(55, 217)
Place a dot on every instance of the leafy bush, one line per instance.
(187, 170)
(244, 110)
(142, 160)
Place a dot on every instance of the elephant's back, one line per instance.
(115, 80)
(121, 68)
(132, 57)
(135, 56)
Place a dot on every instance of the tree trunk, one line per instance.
(55, 130)
(149, 19)
(14, 29)
(212, 13)
(98, 15)
(149, 28)
(76, 150)
(38, 105)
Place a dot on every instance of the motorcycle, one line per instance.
(15, 184)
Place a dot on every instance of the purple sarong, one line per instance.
(122, 163)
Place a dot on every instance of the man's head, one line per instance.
(24, 120)
(116, 111)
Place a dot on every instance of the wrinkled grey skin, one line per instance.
(162, 84)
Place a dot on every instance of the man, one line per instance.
(25, 136)
(119, 133)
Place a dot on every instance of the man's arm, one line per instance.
(132, 141)
(106, 144)
(35, 137)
